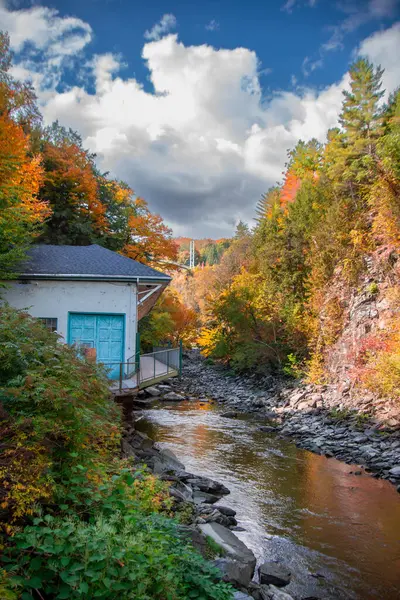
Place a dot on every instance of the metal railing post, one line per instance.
(121, 367)
(167, 362)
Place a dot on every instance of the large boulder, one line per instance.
(274, 573)
(239, 562)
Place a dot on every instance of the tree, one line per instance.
(361, 120)
(21, 212)
(70, 187)
(150, 240)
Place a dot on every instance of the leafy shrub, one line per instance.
(55, 406)
(373, 288)
(121, 556)
(293, 367)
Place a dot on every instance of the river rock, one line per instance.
(173, 396)
(271, 592)
(274, 573)
(153, 391)
(267, 428)
(226, 510)
(230, 414)
(207, 485)
(181, 492)
(165, 461)
(204, 498)
(395, 471)
(239, 562)
(241, 596)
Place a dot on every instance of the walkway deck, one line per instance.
(151, 371)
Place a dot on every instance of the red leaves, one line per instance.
(289, 190)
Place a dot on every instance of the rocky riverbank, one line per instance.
(209, 525)
(321, 419)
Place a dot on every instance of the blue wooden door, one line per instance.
(103, 332)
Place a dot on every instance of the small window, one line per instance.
(50, 323)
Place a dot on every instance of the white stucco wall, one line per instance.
(54, 299)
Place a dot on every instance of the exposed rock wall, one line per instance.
(364, 312)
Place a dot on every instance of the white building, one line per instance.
(91, 296)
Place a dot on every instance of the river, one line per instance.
(338, 532)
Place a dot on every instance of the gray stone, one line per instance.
(275, 594)
(267, 428)
(241, 596)
(225, 510)
(172, 396)
(239, 562)
(181, 491)
(204, 498)
(165, 461)
(204, 484)
(274, 573)
(153, 391)
(141, 440)
(229, 415)
(395, 471)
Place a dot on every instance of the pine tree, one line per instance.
(361, 120)
(266, 201)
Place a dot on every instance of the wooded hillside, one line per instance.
(313, 289)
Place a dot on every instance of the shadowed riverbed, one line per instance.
(339, 533)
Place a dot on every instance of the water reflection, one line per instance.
(339, 533)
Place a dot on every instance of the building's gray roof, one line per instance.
(84, 262)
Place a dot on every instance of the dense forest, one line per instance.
(282, 293)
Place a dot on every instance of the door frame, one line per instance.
(99, 314)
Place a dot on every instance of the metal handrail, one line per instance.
(173, 365)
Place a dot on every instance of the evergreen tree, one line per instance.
(361, 120)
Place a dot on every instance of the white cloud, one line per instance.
(308, 65)
(358, 14)
(166, 24)
(213, 25)
(290, 4)
(43, 41)
(205, 144)
(382, 49)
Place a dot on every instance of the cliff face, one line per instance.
(364, 323)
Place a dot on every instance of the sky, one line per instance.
(195, 105)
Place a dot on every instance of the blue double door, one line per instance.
(104, 332)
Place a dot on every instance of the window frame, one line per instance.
(51, 323)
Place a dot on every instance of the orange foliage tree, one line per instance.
(70, 187)
(21, 211)
(150, 240)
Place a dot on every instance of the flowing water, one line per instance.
(339, 533)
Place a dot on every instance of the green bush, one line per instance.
(121, 556)
(55, 410)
